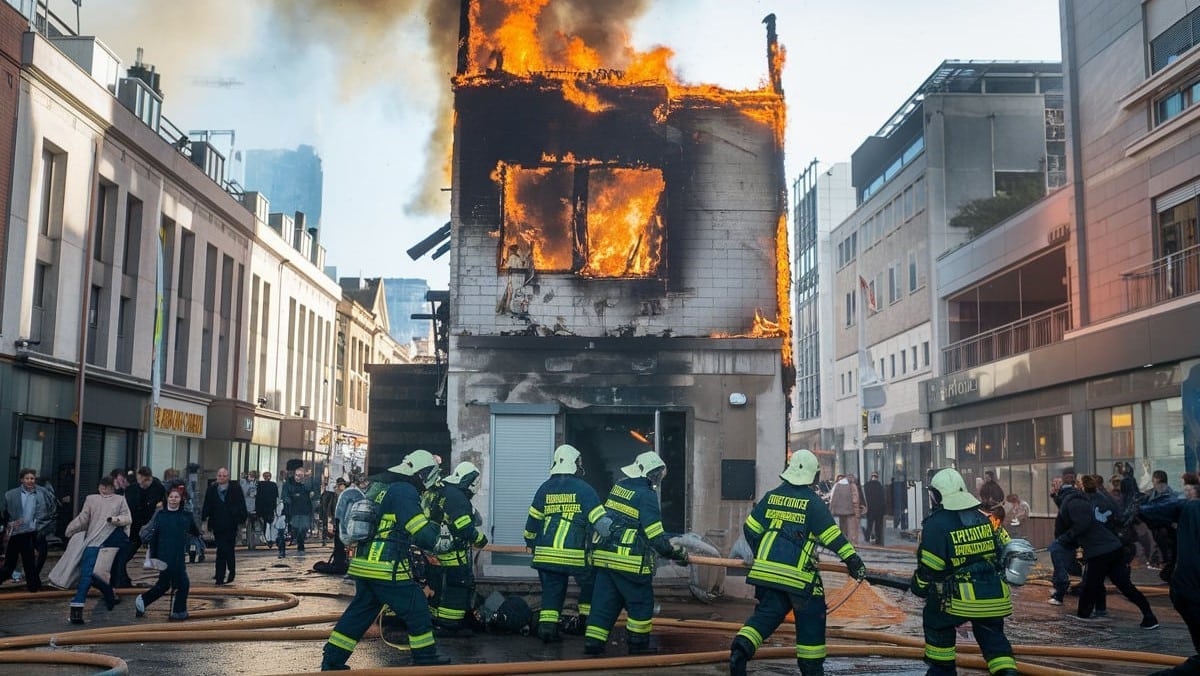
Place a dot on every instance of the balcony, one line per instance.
(1023, 335)
(1170, 277)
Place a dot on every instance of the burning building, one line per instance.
(619, 274)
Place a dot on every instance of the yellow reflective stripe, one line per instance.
(623, 508)
(810, 652)
(751, 634)
(753, 524)
(623, 563)
(1001, 663)
(846, 551)
(418, 641)
(597, 633)
(585, 609)
(448, 613)
(535, 513)
(416, 523)
(457, 557)
(932, 561)
(463, 521)
(654, 530)
(596, 514)
(829, 534)
(560, 533)
(530, 536)
(939, 654)
(638, 626)
(560, 557)
(378, 570)
(548, 616)
(340, 640)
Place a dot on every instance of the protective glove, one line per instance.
(679, 555)
(856, 568)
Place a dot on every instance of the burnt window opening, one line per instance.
(587, 219)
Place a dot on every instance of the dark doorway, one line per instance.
(609, 441)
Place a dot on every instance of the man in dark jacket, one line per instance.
(1185, 579)
(1076, 525)
(225, 510)
(144, 497)
(266, 499)
(298, 506)
(453, 581)
(990, 493)
(876, 504)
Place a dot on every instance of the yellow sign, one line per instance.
(172, 420)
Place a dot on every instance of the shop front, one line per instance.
(178, 428)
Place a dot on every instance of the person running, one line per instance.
(381, 570)
(958, 576)
(784, 529)
(558, 530)
(168, 535)
(103, 520)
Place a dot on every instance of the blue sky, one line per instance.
(364, 93)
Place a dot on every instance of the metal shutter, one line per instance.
(522, 448)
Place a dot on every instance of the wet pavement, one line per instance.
(894, 612)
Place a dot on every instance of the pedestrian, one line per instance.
(1191, 485)
(265, 500)
(102, 521)
(990, 493)
(624, 561)
(328, 502)
(297, 508)
(1077, 525)
(559, 531)
(1016, 511)
(1062, 556)
(249, 485)
(382, 573)
(784, 529)
(899, 504)
(1184, 514)
(47, 522)
(453, 580)
(21, 514)
(224, 510)
(843, 504)
(145, 496)
(958, 574)
(1164, 537)
(168, 535)
(120, 481)
(353, 493)
(876, 505)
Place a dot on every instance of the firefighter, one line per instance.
(784, 529)
(960, 576)
(559, 531)
(382, 572)
(452, 581)
(624, 559)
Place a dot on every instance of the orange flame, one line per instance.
(624, 229)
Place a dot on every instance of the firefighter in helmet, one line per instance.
(624, 560)
(959, 574)
(381, 570)
(559, 531)
(452, 580)
(784, 529)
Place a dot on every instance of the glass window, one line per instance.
(1019, 440)
(925, 349)
(991, 443)
(1048, 438)
(1164, 437)
(912, 272)
(919, 194)
(908, 203)
(968, 446)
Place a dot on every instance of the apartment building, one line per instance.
(1084, 351)
(971, 142)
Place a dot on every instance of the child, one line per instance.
(168, 534)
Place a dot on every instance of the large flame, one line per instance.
(537, 206)
(624, 228)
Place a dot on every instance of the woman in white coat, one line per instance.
(104, 519)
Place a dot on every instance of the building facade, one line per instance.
(970, 143)
(406, 297)
(293, 178)
(1120, 383)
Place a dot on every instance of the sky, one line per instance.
(367, 82)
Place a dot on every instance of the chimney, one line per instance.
(773, 64)
(464, 36)
(140, 71)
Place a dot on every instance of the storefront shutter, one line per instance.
(522, 448)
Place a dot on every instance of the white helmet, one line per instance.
(951, 491)
(644, 465)
(802, 468)
(566, 460)
(1018, 558)
(420, 464)
(466, 476)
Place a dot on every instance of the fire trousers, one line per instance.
(554, 593)
(773, 606)
(614, 591)
(403, 597)
(940, 637)
(452, 590)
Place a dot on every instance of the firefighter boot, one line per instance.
(811, 667)
(428, 657)
(335, 658)
(593, 647)
(548, 632)
(740, 652)
(639, 644)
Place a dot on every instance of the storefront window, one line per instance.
(1019, 440)
(991, 442)
(1164, 437)
(1149, 434)
(1001, 448)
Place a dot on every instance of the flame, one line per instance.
(783, 286)
(624, 229)
(589, 101)
(527, 241)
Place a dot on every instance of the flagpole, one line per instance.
(862, 351)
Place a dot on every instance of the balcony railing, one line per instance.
(1023, 335)
(1165, 279)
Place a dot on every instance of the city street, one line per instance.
(283, 648)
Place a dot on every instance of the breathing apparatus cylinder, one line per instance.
(1018, 558)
